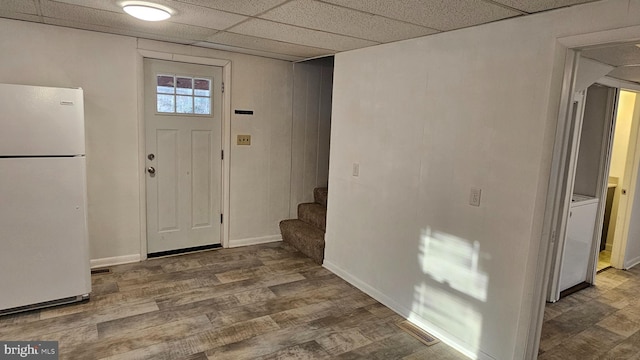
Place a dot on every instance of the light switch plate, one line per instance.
(244, 140)
(474, 196)
(356, 169)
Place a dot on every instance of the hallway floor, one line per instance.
(604, 259)
(600, 322)
(255, 302)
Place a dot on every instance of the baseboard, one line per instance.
(608, 246)
(441, 334)
(116, 260)
(254, 241)
(631, 263)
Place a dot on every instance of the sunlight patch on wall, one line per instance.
(450, 313)
(454, 261)
(454, 289)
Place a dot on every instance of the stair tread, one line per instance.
(314, 214)
(298, 225)
(305, 237)
(320, 195)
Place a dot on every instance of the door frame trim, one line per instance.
(226, 136)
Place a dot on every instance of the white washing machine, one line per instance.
(579, 241)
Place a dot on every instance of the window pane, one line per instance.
(185, 86)
(203, 105)
(164, 90)
(202, 87)
(165, 103)
(165, 84)
(184, 104)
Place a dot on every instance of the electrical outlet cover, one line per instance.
(474, 196)
(244, 140)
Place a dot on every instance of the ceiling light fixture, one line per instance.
(147, 11)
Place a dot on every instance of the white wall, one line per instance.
(632, 250)
(626, 104)
(427, 119)
(312, 89)
(105, 66)
(620, 146)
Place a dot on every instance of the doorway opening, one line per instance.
(603, 219)
(311, 129)
(310, 142)
(605, 161)
(184, 139)
(617, 205)
(598, 168)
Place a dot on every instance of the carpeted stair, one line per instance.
(306, 233)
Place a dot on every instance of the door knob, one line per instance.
(151, 156)
(151, 170)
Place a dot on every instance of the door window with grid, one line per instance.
(177, 94)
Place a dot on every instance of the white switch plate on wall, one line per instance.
(474, 196)
(356, 169)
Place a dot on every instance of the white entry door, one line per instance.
(183, 122)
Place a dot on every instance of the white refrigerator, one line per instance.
(44, 251)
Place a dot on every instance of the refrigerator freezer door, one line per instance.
(43, 233)
(41, 121)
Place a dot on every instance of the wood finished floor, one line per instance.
(600, 322)
(258, 302)
(604, 259)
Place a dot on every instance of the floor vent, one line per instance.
(418, 333)
(101, 271)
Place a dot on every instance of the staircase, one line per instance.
(306, 233)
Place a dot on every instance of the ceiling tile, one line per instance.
(615, 55)
(185, 13)
(248, 51)
(247, 7)
(250, 42)
(19, 16)
(340, 20)
(436, 14)
(96, 4)
(296, 35)
(629, 73)
(205, 17)
(120, 21)
(111, 30)
(539, 5)
(20, 6)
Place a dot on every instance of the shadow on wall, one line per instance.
(454, 287)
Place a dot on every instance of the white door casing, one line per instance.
(184, 192)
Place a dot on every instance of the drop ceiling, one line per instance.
(283, 29)
(624, 57)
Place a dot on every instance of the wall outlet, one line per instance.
(244, 140)
(474, 196)
(356, 169)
